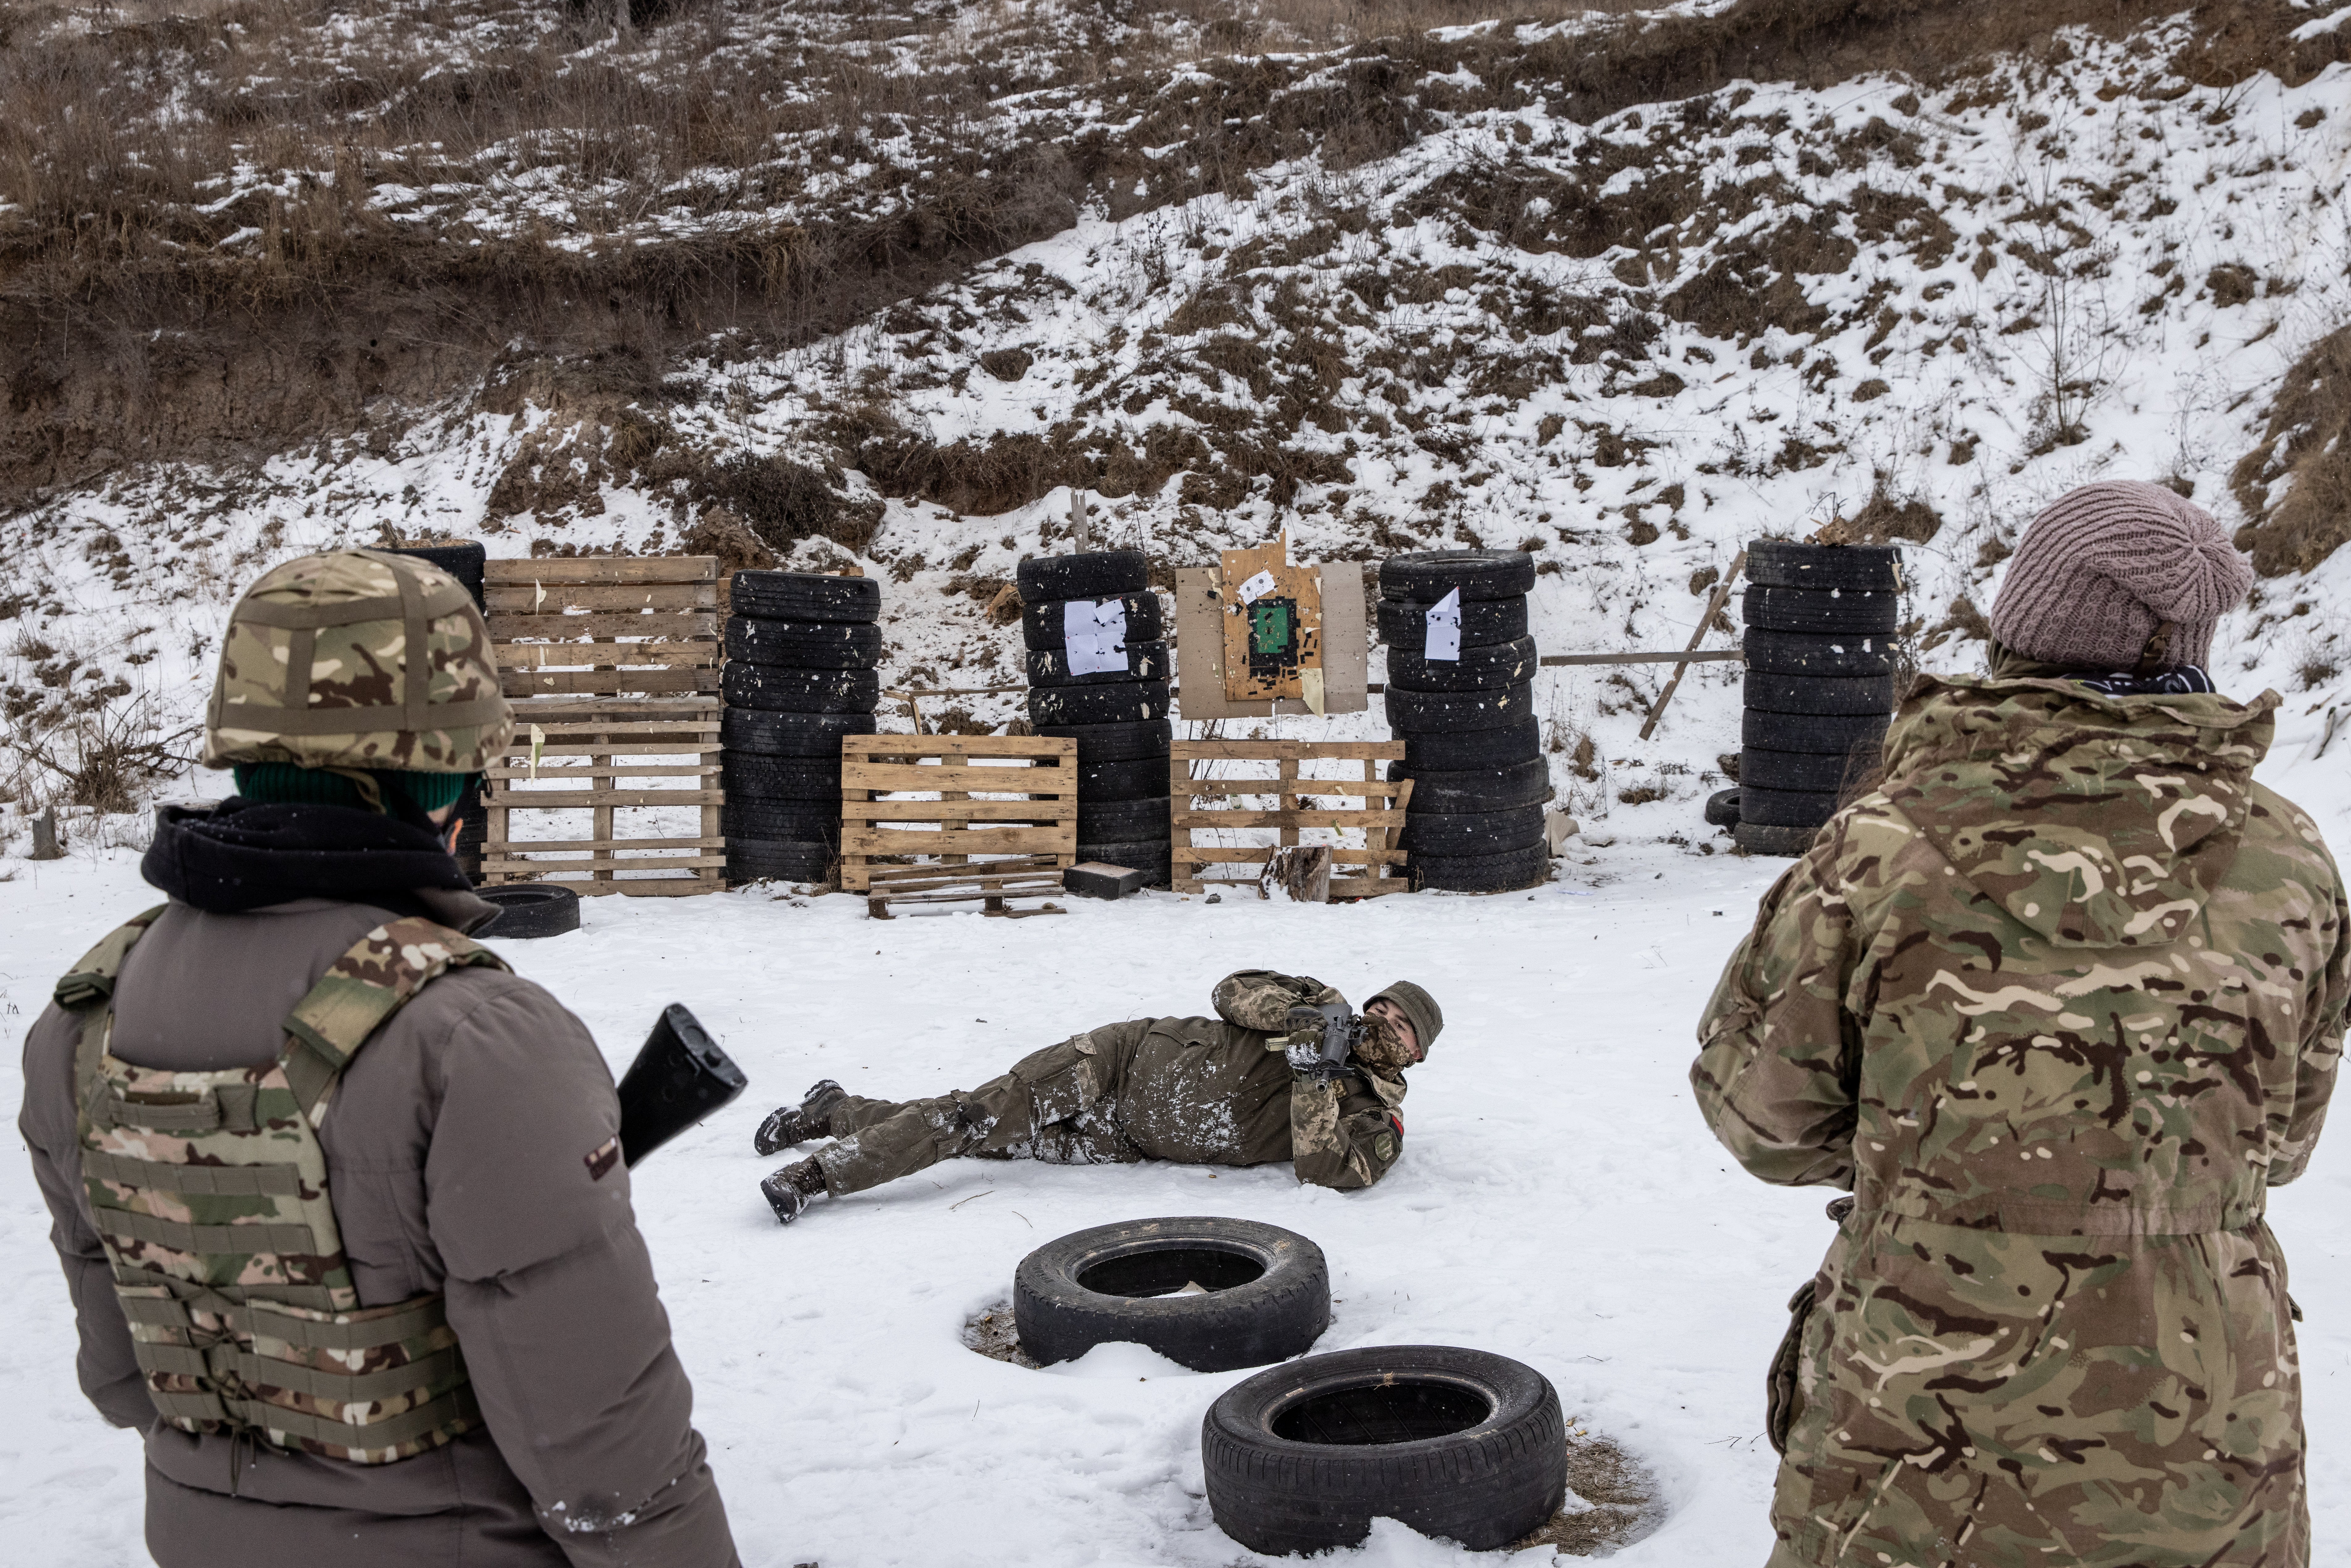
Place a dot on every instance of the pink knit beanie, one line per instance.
(2109, 565)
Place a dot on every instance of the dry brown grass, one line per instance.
(2308, 445)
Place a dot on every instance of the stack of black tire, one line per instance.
(1820, 684)
(800, 654)
(1118, 716)
(1473, 747)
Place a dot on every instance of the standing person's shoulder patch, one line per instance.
(602, 1158)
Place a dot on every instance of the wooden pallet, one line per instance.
(989, 882)
(1198, 807)
(611, 663)
(1033, 809)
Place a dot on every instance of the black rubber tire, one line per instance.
(1128, 702)
(1295, 1460)
(781, 690)
(1785, 807)
(1495, 665)
(465, 562)
(1722, 808)
(1404, 622)
(1457, 835)
(1814, 771)
(772, 734)
(1783, 563)
(749, 774)
(804, 596)
(1270, 1299)
(1462, 750)
(1153, 857)
(1834, 734)
(1843, 656)
(1503, 872)
(1144, 662)
(1133, 779)
(1096, 574)
(1867, 696)
(1041, 625)
(1457, 713)
(1758, 838)
(804, 821)
(529, 909)
(779, 860)
(1139, 820)
(1849, 611)
(1449, 793)
(1115, 742)
(1428, 576)
(804, 644)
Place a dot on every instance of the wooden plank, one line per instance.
(1062, 811)
(883, 876)
(581, 800)
(869, 841)
(601, 568)
(603, 864)
(601, 713)
(1551, 661)
(1212, 788)
(708, 842)
(528, 684)
(632, 749)
(878, 746)
(507, 626)
(557, 598)
(662, 886)
(1257, 855)
(678, 771)
(977, 780)
(1287, 820)
(1043, 889)
(688, 732)
(1713, 606)
(605, 655)
(1275, 751)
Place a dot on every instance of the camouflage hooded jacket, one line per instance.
(2057, 1004)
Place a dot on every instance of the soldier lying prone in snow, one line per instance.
(1219, 1090)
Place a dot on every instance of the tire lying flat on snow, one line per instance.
(773, 734)
(1267, 1292)
(1404, 622)
(1503, 872)
(1115, 742)
(1096, 574)
(779, 689)
(1495, 665)
(1144, 662)
(803, 596)
(1460, 1444)
(1526, 783)
(1127, 702)
(1428, 576)
(1455, 713)
(804, 644)
(1045, 626)
(1760, 839)
(777, 860)
(1722, 807)
(528, 909)
(1463, 833)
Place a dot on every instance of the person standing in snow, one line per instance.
(1201, 1090)
(2057, 1004)
(339, 1197)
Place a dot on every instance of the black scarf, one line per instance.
(245, 854)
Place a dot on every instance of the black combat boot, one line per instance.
(811, 1118)
(789, 1190)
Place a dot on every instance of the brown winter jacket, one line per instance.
(456, 1148)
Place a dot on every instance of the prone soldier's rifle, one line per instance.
(1331, 1035)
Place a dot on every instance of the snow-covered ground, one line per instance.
(1558, 1201)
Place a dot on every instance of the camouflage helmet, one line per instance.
(339, 630)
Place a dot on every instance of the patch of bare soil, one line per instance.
(1623, 1498)
(990, 1333)
(2308, 445)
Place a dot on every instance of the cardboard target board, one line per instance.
(1258, 635)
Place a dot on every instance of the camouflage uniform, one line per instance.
(1199, 1090)
(2057, 1005)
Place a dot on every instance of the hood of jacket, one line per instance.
(2095, 821)
(241, 854)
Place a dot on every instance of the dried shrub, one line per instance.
(2307, 448)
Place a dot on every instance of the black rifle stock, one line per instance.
(680, 1077)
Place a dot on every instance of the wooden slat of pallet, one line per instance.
(1041, 786)
(601, 569)
(515, 846)
(1293, 750)
(512, 625)
(1061, 811)
(1047, 889)
(1286, 819)
(556, 598)
(674, 770)
(958, 745)
(610, 749)
(932, 876)
(577, 800)
(1287, 787)
(605, 655)
(601, 713)
(862, 840)
(602, 682)
(976, 780)
(1256, 856)
(549, 865)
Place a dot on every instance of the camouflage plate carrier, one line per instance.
(209, 1193)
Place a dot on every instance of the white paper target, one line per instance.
(1443, 644)
(1095, 632)
(1257, 588)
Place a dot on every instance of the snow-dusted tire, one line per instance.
(1456, 834)
(1153, 857)
(1842, 656)
(747, 775)
(1478, 669)
(1455, 790)
(1044, 626)
(773, 734)
(779, 860)
(1115, 742)
(1429, 575)
(1862, 612)
(804, 821)
(1503, 872)
(1096, 574)
(1758, 838)
(1127, 702)
(1267, 1297)
(1834, 735)
(1783, 563)
(1404, 622)
(1722, 807)
(1871, 695)
(1460, 1444)
(1129, 779)
(528, 909)
(1455, 751)
(1142, 819)
(803, 596)
(1144, 662)
(1785, 807)
(1800, 770)
(779, 689)
(804, 644)
(1457, 713)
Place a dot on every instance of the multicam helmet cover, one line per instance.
(318, 670)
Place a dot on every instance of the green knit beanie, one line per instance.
(1428, 1018)
(283, 784)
